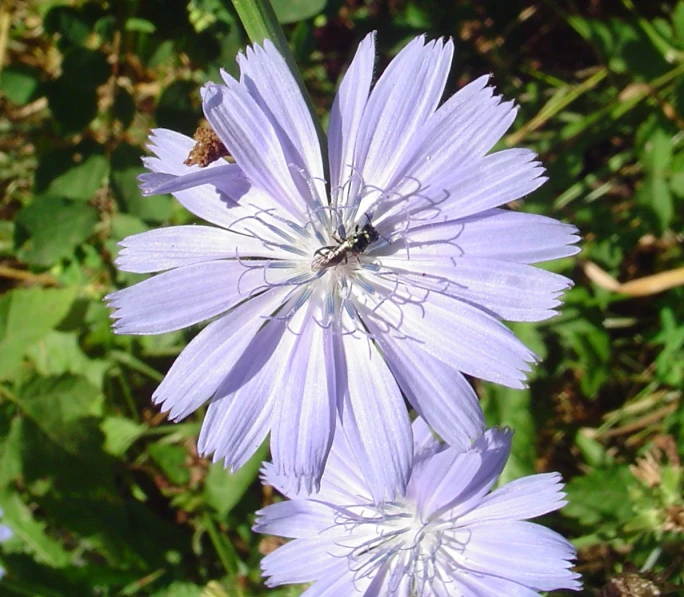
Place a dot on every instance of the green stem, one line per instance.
(260, 22)
(224, 549)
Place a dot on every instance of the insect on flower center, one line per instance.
(353, 245)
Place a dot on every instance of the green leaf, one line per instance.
(139, 25)
(10, 454)
(67, 22)
(61, 95)
(177, 108)
(126, 166)
(32, 533)
(600, 496)
(655, 195)
(120, 434)
(678, 23)
(506, 406)
(85, 69)
(291, 11)
(54, 401)
(124, 107)
(59, 352)
(223, 490)
(20, 83)
(172, 460)
(6, 237)
(27, 315)
(53, 227)
(658, 152)
(75, 173)
(180, 589)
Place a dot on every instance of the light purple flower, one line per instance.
(5, 533)
(308, 328)
(445, 536)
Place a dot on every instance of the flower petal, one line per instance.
(301, 439)
(438, 392)
(214, 202)
(177, 246)
(453, 332)
(404, 97)
(458, 480)
(462, 130)
(294, 519)
(268, 79)
(249, 136)
(374, 418)
(345, 118)
(182, 297)
(523, 498)
(239, 416)
(204, 363)
(494, 234)
(523, 552)
(306, 560)
(512, 291)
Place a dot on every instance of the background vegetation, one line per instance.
(106, 498)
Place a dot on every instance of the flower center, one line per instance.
(394, 535)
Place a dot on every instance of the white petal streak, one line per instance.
(249, 136)
(306, 397)
(345, 117)
(204, 363)
(494, 234)
(176, 246)
(512, 291)
(264, 73)
(439, 393)
(374, 418)
(406, 94)
(182, 297)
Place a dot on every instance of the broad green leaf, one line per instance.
(600, 496)
(120, 434)
(655, 195)
(32, 533)
(53, 228)
(67, 397)
(74, 173)
(223, 490)
(291, 11)
(6, 237)
(59, 352)
(172, 460)
(139, 25)
(126, 167)
(26, 316)
(10, 453)
(20, 83)
(69, 23)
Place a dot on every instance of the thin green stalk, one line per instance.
(260, 22)
(224, 549)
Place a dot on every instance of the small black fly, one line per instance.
(355, 244)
